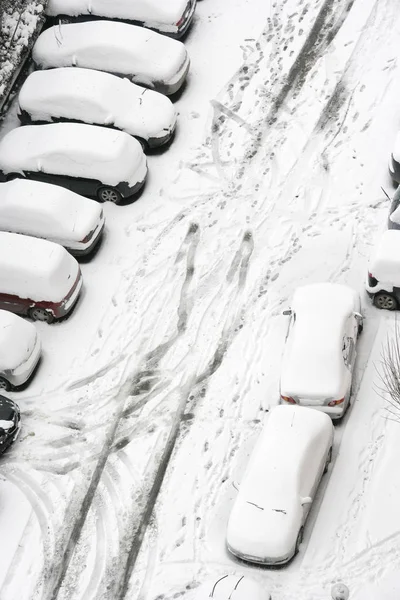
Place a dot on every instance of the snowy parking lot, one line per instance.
(148, 400)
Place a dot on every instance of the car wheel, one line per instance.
(109, 194)
(328, 460)
(299, 539)
(386, 301)
(41, 314)
(4, 385)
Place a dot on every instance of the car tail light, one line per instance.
(185, 14)
(372, 281)
(289, 399)
(88, 237)
(336, 402)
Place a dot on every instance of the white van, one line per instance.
(320, 350)
(51, 212)
(38, 279)
(279, 485)
(20, 350)
(98, 162)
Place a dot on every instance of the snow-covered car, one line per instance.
(141, 55)
(51, 212)
(10, 423)
(320, 349)
(102, 163)
(38, 279)
(394, 211)
(172, 17)
(279, 485)
(231, 587)
(383, 279)
(20, 350)
(98, 98)
(394, 161)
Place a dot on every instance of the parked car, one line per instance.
(383, 279)
(172, 17)
(145, 57)
(232, 587)
(93, 161)
(38, 279)
(394, 161)
(51, 212)
(394, 211)
(320, 349)
(95, 97)
(10, 423)
(279, 485)
(20, 350)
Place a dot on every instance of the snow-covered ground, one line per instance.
(139, 422)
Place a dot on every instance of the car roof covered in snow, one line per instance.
(74, 149)
(384, 263)
(17, 339)
(110, 46)
(230, 587)
(266, 509)
(38, 208)
(34, 268)
(313, 362)
(155, 11)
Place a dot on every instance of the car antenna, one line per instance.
(386, 194)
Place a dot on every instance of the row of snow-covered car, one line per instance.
(96, 103)
(267, 520)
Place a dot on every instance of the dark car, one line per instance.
(97, 162)
(10, 423)
(394, 214)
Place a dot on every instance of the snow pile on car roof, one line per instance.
(35, 269)
(313, 363)
(72, 149)
(156, 11)
(45, 209)
(384, 261)
(17, 339)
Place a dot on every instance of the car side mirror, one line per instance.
(358, 316)
(287, 312)
(306, 500)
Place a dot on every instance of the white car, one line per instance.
(98, 162)
(145, 57)
(320, 351)
(279, 485)
(20, 350)
(383, 279)
(98, 98)
(51, 212)
(172, 17)
(231, 587)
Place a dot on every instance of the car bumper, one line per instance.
(335, 412)
(175, 83)
(23, 372)
(66, 308)
(85, 249)
(156, 142)
(263, 560)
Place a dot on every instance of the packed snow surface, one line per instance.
(73, 149)
(313, 364)
(139, 424)
(97, 97)
(17, 340)
(36, 269)
(231, 587)
(285, 466)
(384, 261)
(48, 211)
(152, 12)
(145, 56)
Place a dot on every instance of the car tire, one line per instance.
(299, 539)
(109, 194)
(385, 301)
(5, 386)
(41, 314)
(328, 460)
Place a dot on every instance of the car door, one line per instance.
(13, 304)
